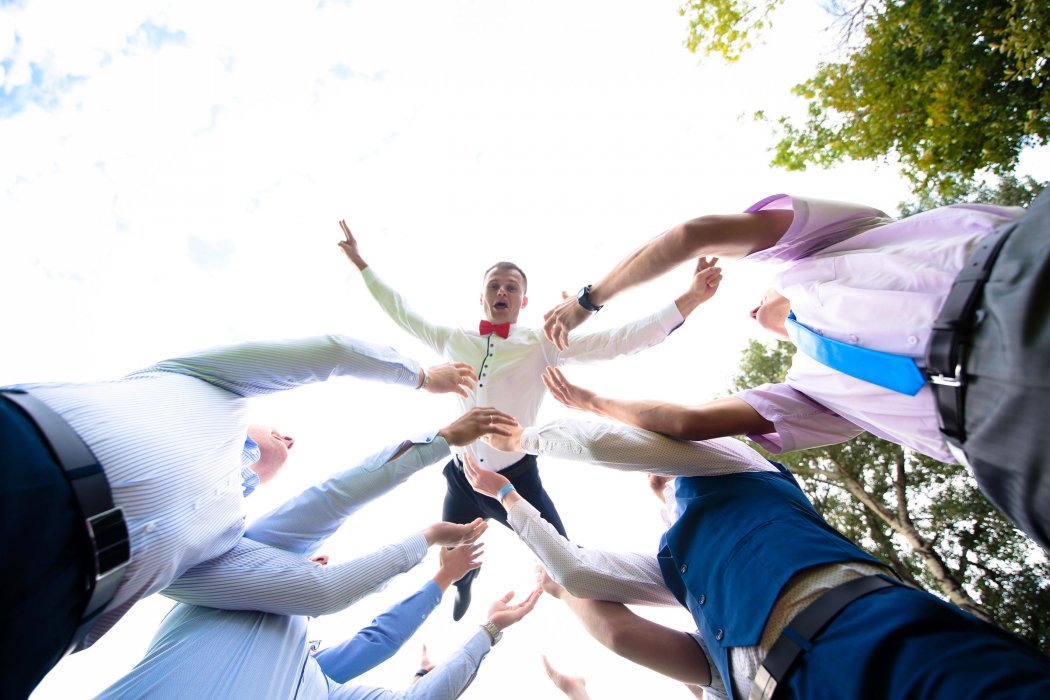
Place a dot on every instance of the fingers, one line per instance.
(507, 598)
(346, 231)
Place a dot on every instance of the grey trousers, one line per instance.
(1007, 409)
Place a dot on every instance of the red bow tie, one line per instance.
(500, 329)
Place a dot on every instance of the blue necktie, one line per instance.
(895, 372)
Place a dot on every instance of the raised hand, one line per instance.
(484, 481)
(507, 443)
(449, 378)
(349, 246)
(478, 421)
(454, 534)
(706, 278)
(563, 318)
(456, 562)
(567, 393)
(573, 686)
(503, 615)
(547, 584)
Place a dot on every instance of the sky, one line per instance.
(172, 175)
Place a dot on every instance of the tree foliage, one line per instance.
(1008, 191)
(927, 519)
(948, 89)
(725, 27)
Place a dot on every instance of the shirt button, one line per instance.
(719, 633)
(685, 567)
(481, 384)
(853, 339)
(702, 599)
(912, 340)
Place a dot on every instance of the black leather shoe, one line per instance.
(463, 595)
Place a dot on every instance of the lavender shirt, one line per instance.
(856, 275)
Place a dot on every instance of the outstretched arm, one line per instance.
(670, 652)
(254, 576)
(588, 573)
(382, 639)
(731, 236)
(450, 678)
(719, 418)
(303, 522)
(390, 301)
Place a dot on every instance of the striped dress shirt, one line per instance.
(204, 652)
(170, 439)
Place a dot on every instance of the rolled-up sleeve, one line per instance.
(799, 421)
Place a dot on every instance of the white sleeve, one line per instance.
(624, 448)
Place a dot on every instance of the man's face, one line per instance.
(273, 447)
(503, 296)
(772, 312)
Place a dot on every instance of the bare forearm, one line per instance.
(719, 418)
(731, 236)
(662, 649)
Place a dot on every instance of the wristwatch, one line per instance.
(495, 632)
(584, 297)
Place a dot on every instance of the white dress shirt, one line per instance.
(510, 369)
(170, 440)
(879, 284)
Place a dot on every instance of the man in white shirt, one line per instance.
(509, 361)
(978, 273)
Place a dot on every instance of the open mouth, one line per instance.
(500, 305)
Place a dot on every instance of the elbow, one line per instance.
(686, 425)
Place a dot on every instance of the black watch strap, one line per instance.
(584, 297)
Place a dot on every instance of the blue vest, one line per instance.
(738, 540)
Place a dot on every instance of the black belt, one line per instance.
(798, 636)
(946, 351)
(106, 529)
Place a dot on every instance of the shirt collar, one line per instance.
(249, 456)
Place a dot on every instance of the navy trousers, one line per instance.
(463, 503)
(43, 552)
(902, 643)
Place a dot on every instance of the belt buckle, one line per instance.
(944, 380)
(110, 544)
(763, 686)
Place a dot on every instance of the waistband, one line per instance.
(106, 528)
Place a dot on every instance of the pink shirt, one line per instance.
(858, 276)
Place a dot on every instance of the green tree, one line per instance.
(1009, 191)
(949, 90)
(926, 519)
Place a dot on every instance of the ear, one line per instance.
(524, 302)
(481, 300)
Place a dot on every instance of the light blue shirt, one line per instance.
(201, 652)
(170, 439)
(204, 652)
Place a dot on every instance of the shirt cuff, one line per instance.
(670, 318)
(530, 440)
(415, 547)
